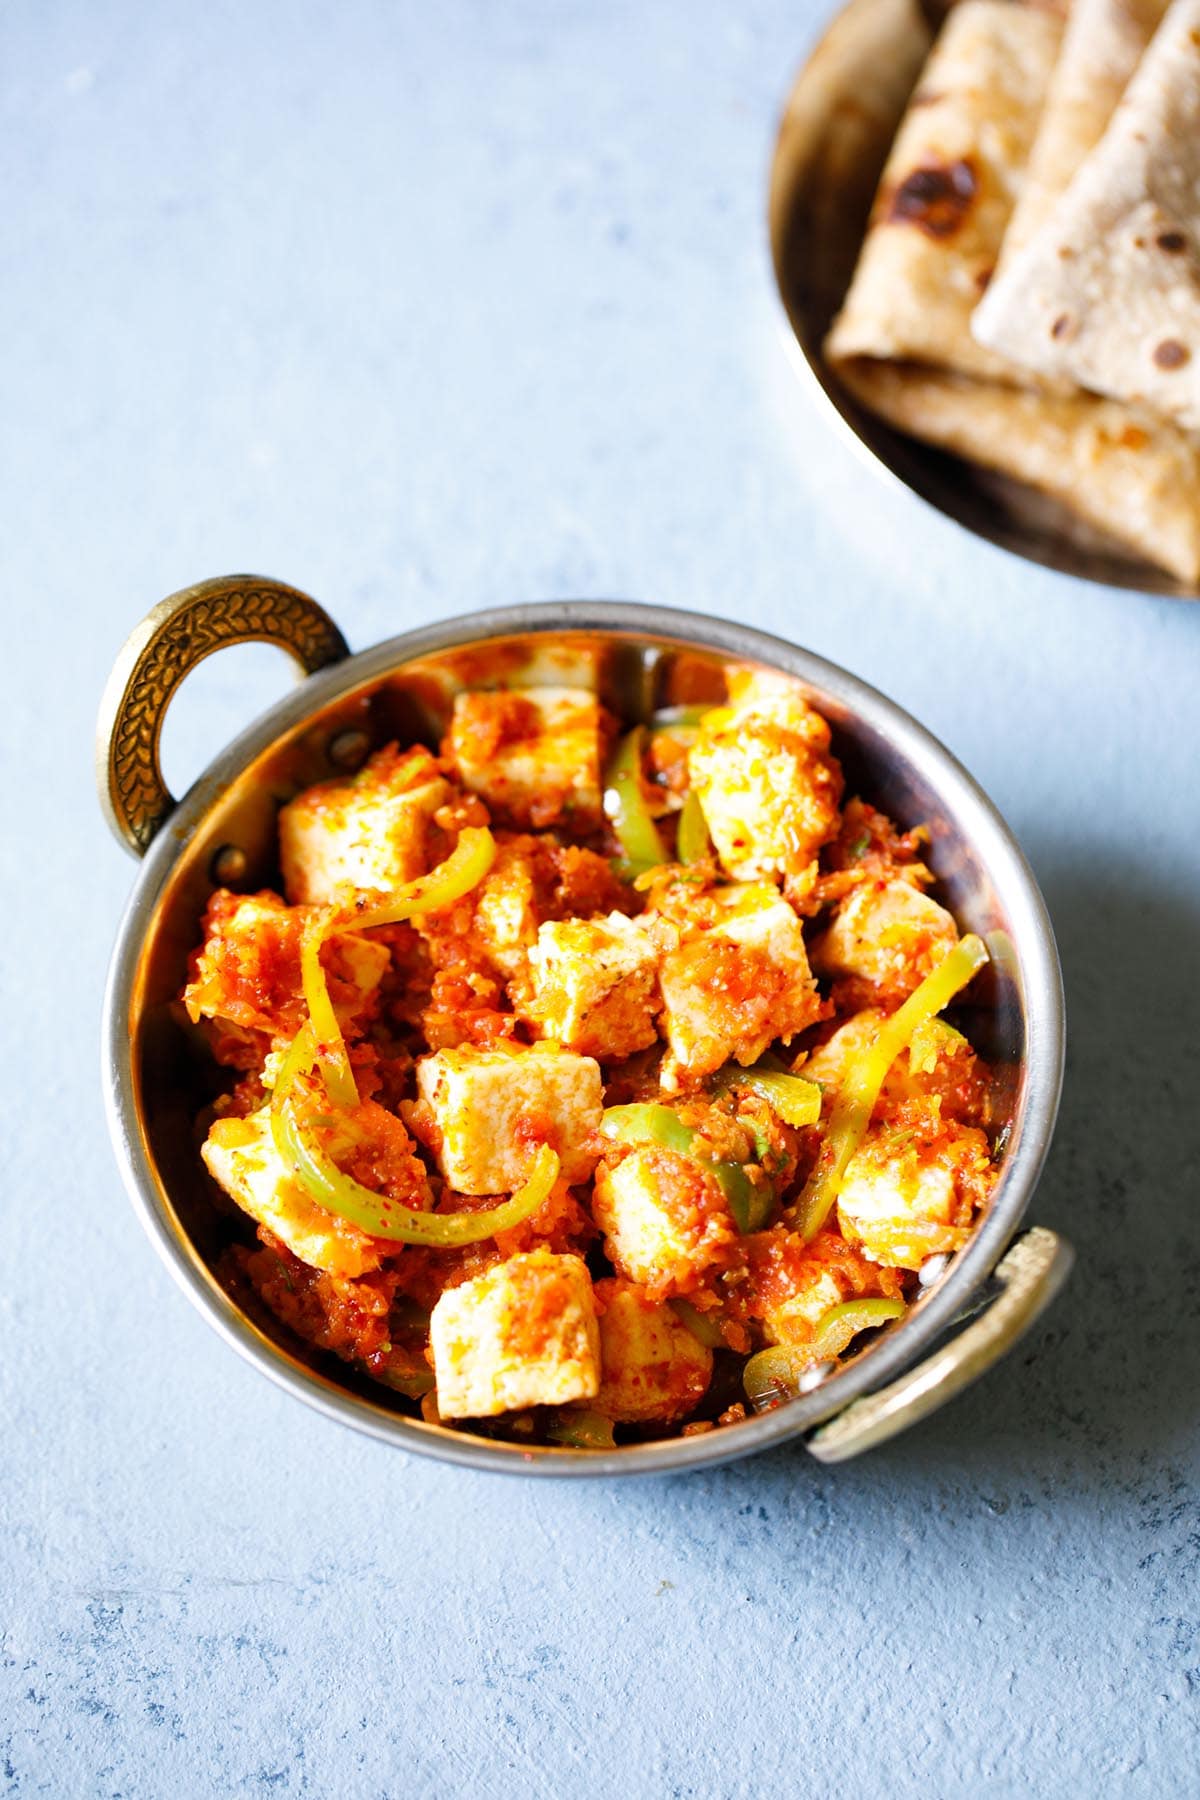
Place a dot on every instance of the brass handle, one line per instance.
(1029, 1275)
(173, 637)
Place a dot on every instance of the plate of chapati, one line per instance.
(985, 221)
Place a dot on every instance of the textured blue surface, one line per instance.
(426, 308)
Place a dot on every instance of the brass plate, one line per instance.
(837, 128)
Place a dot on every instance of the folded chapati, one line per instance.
(1107, 292)
(1101, 47)
(947, 191)
(902, 342)
(1131, 479)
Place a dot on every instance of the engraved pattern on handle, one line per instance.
(173, 637)
(1029, 1275)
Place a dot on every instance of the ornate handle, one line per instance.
(173, 637)
(1029, 1276)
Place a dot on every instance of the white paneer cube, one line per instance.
(241, 1157)
(939, 1067)
(521, 1334)
(491, 1106)
(594, 985)
(370, 833)
(831, 1063)
(888, 934)
(652, 1367)
(730, 991)
(905, 1201)
(791, 1283)
(247, 974)
(790, 1318)
(506, 916)
(361, 961)
(758, 918)
(767, 784)
(533, 754)
(665, 1219)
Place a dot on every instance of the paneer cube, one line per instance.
(247, 975)
(904, 1200)
(506, 910)
(371, 832)
(533, 754)
(796, 1314)
(665, 1219)
(788, 1285)
(732, 990)
(940, 1066)
(888, 935)
(355, 962)
(652, 1367)
(594, 985)
(523, 1333)
(791, 1283)
(831, 1063)
(795, 1318)
(490, 1107)
(535, 879)
(765, 778)
(241, 1157)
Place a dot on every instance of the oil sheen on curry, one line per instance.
(589, 1085)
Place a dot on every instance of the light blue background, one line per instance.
(426, 308)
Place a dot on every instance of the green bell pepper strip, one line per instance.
(859, 1091)
(409, 1376)
(407, 1314)
(625, 805)
(701, 1326)
(798, 1102)
(837, 1327)
(298, 1059)
(325, 1183)
(772, 1374)
(645, 1122)
(382, 1217)
(678, 719)
(582, 1430)
(648, 1123)
(749, 1203)
(327, 1033)
(692, 842)
(464, 868)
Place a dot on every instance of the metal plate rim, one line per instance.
(839, 409)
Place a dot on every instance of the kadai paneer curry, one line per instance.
(590, 1084)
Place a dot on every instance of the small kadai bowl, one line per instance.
(639, 659)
